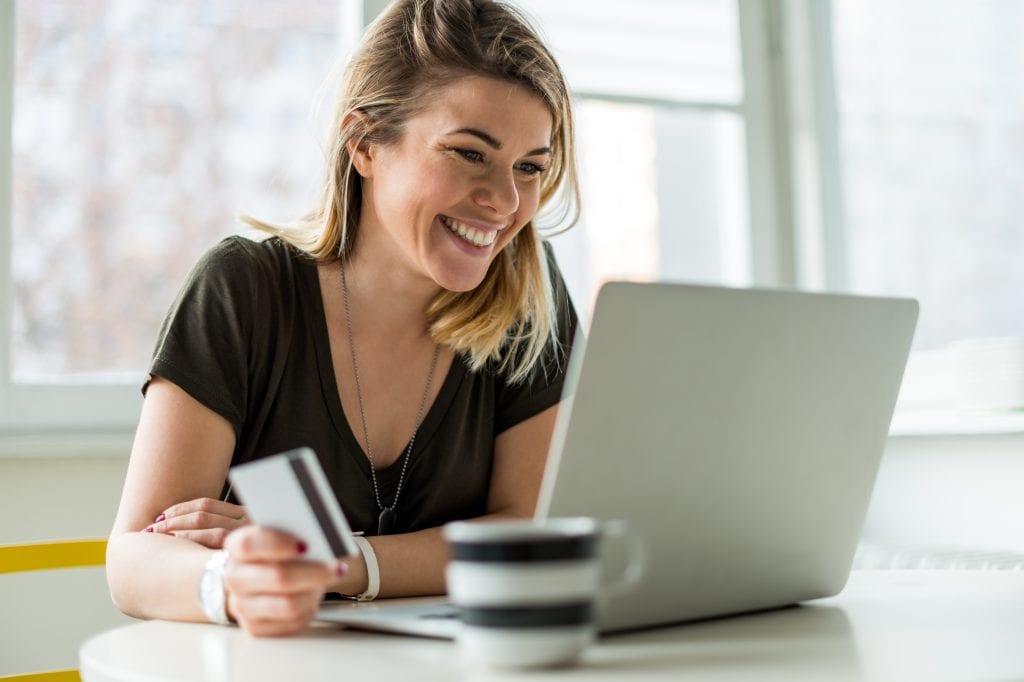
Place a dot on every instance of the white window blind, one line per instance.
(676, 50)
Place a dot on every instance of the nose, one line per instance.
(498, 192)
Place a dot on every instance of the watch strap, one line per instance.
(372, 570)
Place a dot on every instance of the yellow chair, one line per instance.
(43, 556)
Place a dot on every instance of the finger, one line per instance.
(260, 543)
(275, 614)
(278, 578)
(203, 504)
(211, 537)
(197, 520)
(271, 628)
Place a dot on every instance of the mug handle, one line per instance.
(619, 531)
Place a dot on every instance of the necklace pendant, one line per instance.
(386, 521)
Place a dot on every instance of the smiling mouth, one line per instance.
(481, 238)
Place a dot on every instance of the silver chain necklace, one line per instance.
(386, 520)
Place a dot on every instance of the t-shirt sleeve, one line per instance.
(205, 341)
(516, 403)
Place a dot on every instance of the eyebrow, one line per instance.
(494, 143)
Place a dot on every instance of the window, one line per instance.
(661, 141)
(931, 142)
(855, 145)
(139, 131)
(931, 128)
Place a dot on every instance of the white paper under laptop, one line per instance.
(737, 431)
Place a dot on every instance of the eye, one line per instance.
(470, 155)
(531, 168)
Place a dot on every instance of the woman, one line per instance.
(412, 331)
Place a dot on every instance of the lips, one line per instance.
(473, 235)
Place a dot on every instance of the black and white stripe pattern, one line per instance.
(524, 600)
(522, 584)
(556, 615)
(527, 551)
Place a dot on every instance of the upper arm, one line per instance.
(520, 455)
(182, 450)
(520, 451)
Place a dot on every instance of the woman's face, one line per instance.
(459, 184)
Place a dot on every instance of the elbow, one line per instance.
(118, 575)
(120, 598)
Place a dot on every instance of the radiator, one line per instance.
(896, 558)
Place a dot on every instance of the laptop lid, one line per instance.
(737, 431)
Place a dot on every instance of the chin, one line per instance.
(459, 274)
(460, 283)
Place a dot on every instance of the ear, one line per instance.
(359, 149)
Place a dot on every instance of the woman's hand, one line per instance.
(271, 589)
(203, 520)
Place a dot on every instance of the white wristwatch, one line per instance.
(372, 569)
(212, 597)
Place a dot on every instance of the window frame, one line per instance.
(68, 411)
(6, 181)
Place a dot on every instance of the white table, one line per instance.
(886, 625)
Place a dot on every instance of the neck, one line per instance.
(384, 299)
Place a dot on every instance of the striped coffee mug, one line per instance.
(526, 590)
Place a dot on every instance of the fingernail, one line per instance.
(341, 568)
(149, 529)
(159, 518)
(302, 547)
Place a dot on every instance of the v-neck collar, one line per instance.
(332, 398)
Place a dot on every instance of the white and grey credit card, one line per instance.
(290, 492)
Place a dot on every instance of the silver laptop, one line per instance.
(738, 432)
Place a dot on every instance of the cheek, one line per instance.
(417, 198)
(529, 200)
(510, 234)
(438, 186)
(412, 181)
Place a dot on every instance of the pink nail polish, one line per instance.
(341, 569)
(159, 518)
(302, 547)
(149, 529)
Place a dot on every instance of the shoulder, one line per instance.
(239, 251)
(550, 365)
(239, 261)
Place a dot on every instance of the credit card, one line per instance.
(290, 492)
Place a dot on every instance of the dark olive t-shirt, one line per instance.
(247, 338)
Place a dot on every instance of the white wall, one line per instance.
(950, 492)
(47, 614)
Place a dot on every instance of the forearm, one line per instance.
(156, 576)
(411, 564)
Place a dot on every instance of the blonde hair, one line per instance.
(412, 48)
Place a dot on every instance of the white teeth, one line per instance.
(470, 234)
